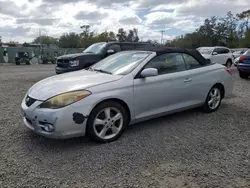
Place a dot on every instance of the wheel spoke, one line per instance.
(107, 113)
(214, 103)
(115, 129)
(118, 116)
(102, 134)
(99, 122)
(210, 102)
(215, 93)
(212, 94)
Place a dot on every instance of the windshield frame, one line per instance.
(247, 52)
(108, 60)
(100, 46)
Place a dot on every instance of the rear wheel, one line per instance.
(107, 121)
(243, 75)
(213, 99)
(229, 63)
(28, 63)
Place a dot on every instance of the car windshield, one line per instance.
(205, 51)
(95, 48)
(247, 52)
(120, 63)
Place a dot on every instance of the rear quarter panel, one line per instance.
(206, 77)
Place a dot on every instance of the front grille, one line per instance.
(62, 62)
(29, 101)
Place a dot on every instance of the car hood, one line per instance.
(206, 56)
(72, 81)
(72, 56)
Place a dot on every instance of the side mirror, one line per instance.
(215, 53)
(110, 51)
(149, 72)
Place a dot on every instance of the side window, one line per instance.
(167, 63)
(191, 62)
(115, 47)
(226, 51)
(218, 50)
(221, 50)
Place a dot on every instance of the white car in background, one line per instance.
(217, 54)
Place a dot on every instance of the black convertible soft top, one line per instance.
(192, 52)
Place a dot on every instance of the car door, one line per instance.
(198, 73)
(165, 92)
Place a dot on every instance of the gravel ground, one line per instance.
(188, 149)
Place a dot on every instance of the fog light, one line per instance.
(48, 127)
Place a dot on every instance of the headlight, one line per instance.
(74, 63)
(65, 99)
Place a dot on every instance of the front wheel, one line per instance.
(107, 122)
(213, 99)
(243, 75)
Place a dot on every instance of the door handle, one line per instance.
(188, 80)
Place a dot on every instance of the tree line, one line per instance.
(231, 30)
(88, 37)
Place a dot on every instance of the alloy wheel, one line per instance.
(108, 123)
(214, 98)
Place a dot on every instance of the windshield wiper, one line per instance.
(102, 71)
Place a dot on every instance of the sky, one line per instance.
(21, 20)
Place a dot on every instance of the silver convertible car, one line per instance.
(123, 89)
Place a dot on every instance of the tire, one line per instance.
(45, 61)
(109, 129)
(243, 75)
(229, 63)
(211, 97)
(17, 63)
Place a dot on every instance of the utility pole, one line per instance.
(41, 47)
(40, 40)
(162, 31)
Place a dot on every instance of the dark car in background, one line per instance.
(244, 65)
(95, 53)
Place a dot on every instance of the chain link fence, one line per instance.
(34, 54)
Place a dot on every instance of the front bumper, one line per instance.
(243, 67)
(60, 70)
(65, 126)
